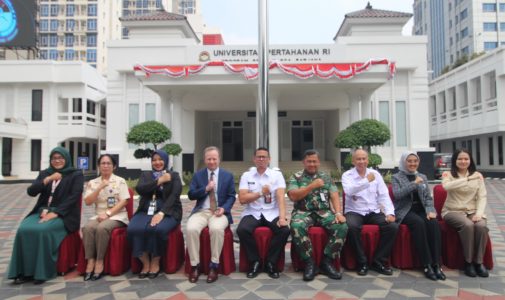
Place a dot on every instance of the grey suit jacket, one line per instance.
(403, 198)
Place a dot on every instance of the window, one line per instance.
(91, 40)
(126, 3)
(54, 25)
(384, 115)
(500, 150)
(139, 4)
(44, 40)
(53, 54)
(465, 51)
(490, 26)
(456, 20)
(53, 40)
(43, 54)
(150, 112)
(69, 54)
(69, 40)
(464, 32)
(488, 7)
(92, 24)
(44, 25)
(36, 154)
(70, 10)
(36, 105)
(126, 13)
(158, 4)
(450, 24)
(490, 45)
(92, 10)
(54, 10)
(491, 152)
(453, 146)
(463, 14)
(502, 7)
(477, 151)
(401, 123)
(502, 26)
(91, 55)
(44, 10)
(451, 41)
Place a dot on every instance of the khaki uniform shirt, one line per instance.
(117, 188)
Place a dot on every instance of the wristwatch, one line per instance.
(261, 193)
(108, 213)
(338, 213)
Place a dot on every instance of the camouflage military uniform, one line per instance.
(315, 209)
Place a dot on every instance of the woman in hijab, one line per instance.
(414, 208)
(110, 195)
(159, 212)
(56, 214)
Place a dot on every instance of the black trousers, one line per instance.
(245, 231)
(388, 232)
(426, 236)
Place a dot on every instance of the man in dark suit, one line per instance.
(214, 191)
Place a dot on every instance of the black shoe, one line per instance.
(429, 273)
(438, 272)
(19, 280)
(382, 269)
(96, 277)
(362, 269)
(143, 275)
(327, 268)
(255, 269)
(271, 270)
(38, 281)
(470, 270)
(310, 270)
(152, 275)
(88, 276)
(481, 270)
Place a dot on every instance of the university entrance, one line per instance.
(233, 141)
(302, 138)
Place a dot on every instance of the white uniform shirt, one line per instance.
(206, 204)
(365, 197)
(254, 182)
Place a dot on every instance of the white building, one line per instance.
(45, 104)
(205, 103)
(467, 110)
(457, 28)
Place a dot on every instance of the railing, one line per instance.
(81, 118)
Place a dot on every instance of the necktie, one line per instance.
(212, 195)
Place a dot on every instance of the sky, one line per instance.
(290, 21)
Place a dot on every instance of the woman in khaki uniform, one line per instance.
(110, 195)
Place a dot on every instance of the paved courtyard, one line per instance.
(404, 284)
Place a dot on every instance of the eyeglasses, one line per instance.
(58, 158)
(105, 163)
(262, 157)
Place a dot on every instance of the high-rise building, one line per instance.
(456, 28)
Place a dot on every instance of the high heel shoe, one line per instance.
(96, 277)
(428, 272)
(152, 275)
(88, 276)
(438, 272)
(143, 275)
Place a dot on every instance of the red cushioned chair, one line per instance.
(452, 254)
(370, 236)
(174, 253)
(319, 238)
(68, 253)
(117, 257)
(263, 236)
(227, 259)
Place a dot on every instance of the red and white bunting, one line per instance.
(250, 71)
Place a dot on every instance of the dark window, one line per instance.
(79, 149)
(36, 154)
(36, 105)
(491, 152)
(477, 151)
(469, 145)
(251, 114)
(237, 124)
(282, 113)
(500, 150)
(226, 124)
(94, 156)
(453, 146)
(71, 150)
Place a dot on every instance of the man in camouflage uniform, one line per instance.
(311, 191)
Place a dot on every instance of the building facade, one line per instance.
(468, 27)
(467, 110)
(203, 93)
(44, 104)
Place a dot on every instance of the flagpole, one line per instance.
(263, 66)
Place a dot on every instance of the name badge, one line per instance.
(323, 197)
(152, 208)
(111, 201)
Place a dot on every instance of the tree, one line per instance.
(151, 132)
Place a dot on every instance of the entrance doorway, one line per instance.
(302, 138)
(233, 141)
(6, 156)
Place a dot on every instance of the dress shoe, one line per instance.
(381, 268)
(153, 275)
(481, 270)
(438, 272)
(143, 275)
(38, 281)
(310, 270)
(194, 274)
(327, 268)
(19, 280)
(87, 276)
(212, 275)
(96, 276)
(255, 269)
(470, 270)
(362, 269)
(429, 273)
(271, 270)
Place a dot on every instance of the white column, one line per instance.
(176, 128)
(354, 109)
(366, 112)
(273, 129)
(1, 159)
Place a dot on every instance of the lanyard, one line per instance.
(53, 187)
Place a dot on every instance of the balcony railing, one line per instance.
(81, 118)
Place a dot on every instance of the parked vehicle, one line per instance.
(442, 163)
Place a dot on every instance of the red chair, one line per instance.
(227, 259)
(319, 238)
(452, 254)
(68, 253)
(263, 236)
(174, 253)
(117, 257)
(370, 236)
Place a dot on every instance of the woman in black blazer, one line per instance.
(159, 212)
(56, 213)
(414, 208)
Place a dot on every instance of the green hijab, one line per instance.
(67, 168)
